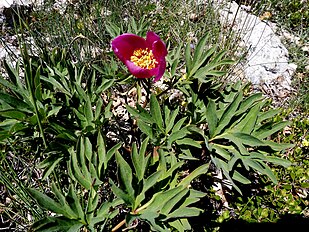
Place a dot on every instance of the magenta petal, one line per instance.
(138, 71)
(159, 50)
(124, 45)
(151, 37)
(161, 70)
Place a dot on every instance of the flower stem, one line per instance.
(120, 224)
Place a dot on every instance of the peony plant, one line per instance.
(97, 179)
(144, 58)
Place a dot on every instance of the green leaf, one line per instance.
(160, 199)
(220, 164)
(93, 201)
(107, 111)
(240, 178)
(98, 109)
(196, 70)
(14, 74)
(85, 181)
(229, 113)
(56, 85)
(152, 179)
(232, 161)
(155, 111)
(12, 113)
(148, 183)
(112, 151)
(8, 85)
(59, 195)
(48, 203)
(13, 101)
(208, 70)
(249, 139)
(269, 173)
(139, 159)
(193, 197)
(166, 208)
(150, 217)
(218, 57)
(186, 155)
(248, 123)
(51, 168)
(57, 224)
(138, 162)
(278, 161)
(267, 115)
(188, 58)
(249, 102)
(211, 117)
(88, 149)
(185, 212)
(105, 85)
(167, 115)
(81, 156)
(80, 74)
(171, 120)
(175, 62)
(88, 111)
(106, 209)
(171, 170)
(199, 49)
(75, 204)
(278, 146)
(237, 141)
(178, 226)
(177, 135)
(188, 141)
(38, 85)
(104, 156)
(179, 124)
(143, 148)
(145, 128)
(63, 201)
(54, 111)
(304, 185)
(222, 150)
(127, 198)
(197, 172)
(142, 115)
(125, 174)
(264, 133)
(261, 168)
(101, 153)
(81, 93)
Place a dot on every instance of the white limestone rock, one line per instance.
(267, 58)
(9, 3)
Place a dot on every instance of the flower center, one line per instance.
(144, 58)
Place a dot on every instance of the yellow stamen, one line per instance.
(144, 58)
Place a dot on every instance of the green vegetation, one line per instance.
(86, 146)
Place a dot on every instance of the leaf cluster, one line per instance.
(92, 180)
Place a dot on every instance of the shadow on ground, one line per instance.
(286, 223)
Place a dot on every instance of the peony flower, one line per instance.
(144, 58)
